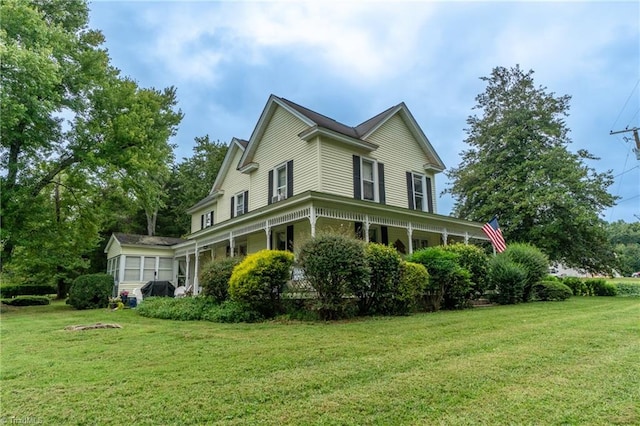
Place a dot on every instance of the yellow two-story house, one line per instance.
(301, 173)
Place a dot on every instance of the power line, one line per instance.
(625, 104)
(626, 171)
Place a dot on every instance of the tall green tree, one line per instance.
(71, 128)
(519, 167)
(625, 238)
(191, 181)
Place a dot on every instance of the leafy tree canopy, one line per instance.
(72, 128)
(518, 166)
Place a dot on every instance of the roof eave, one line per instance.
(315, 131)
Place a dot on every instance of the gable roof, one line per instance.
(322, 124)
(235, 145)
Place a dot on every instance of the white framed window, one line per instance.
(239, 202)
(165, 269)
(419, 187)
(132, 266)
(149, 272)
(280, 179)
(369, 181)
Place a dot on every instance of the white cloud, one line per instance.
(359, 42)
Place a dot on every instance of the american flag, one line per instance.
(492, 229)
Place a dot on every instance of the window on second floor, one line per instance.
(206, 220)
(419, 192)
(368, 179)
(240, 204)
(281, 182)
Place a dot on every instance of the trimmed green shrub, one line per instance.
(333, 264)
(627, 289)
(12, 290)
(91, 291)
(214, 277)
(414, 281)
(600, 287)
(232, 312)
(376, 295)
(551, 291)
(27, 301)
(449, 283)
(534, 262)
(259, 279)
(507, 278)
(196, 309)
(577, 286)
(475, 260)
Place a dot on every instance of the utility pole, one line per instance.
(635, 136)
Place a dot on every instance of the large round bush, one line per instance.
(376, 295)
(259, 280)
(507, 279)
(333, 264)
(215, 275)
(414, 280)
(449, 283)
(533, 261)
(91, 291)
(551, 290)
(474, 260)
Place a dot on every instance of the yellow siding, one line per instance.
(400, 153)
(256, 242)
(196, 223)
(337, 168)
(280, 143)
(233, 183)
(114, 250)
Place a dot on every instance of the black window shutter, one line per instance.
(290, 238)
(358, 228)
(429, 196)
(246, 201)
(357, 190)
(384, 231)
(270, 194)
(381, 192)
(289, 178)
(201, 221)
(233, 200)
(410, 190)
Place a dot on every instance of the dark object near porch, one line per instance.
(158, 288)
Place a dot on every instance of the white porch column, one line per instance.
(187, 278)
(466, 238)
(267, 231)
(123, 260)
(232, 244)
(312, 220)
(366, 228)
(445, 236)
(196, 284)
(410, 236)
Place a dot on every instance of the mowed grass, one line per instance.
(574, 362)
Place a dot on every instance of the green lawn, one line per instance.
(573, 362)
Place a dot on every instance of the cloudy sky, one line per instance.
(351, 60)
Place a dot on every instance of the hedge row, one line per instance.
(27, 301)
(13, 290)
